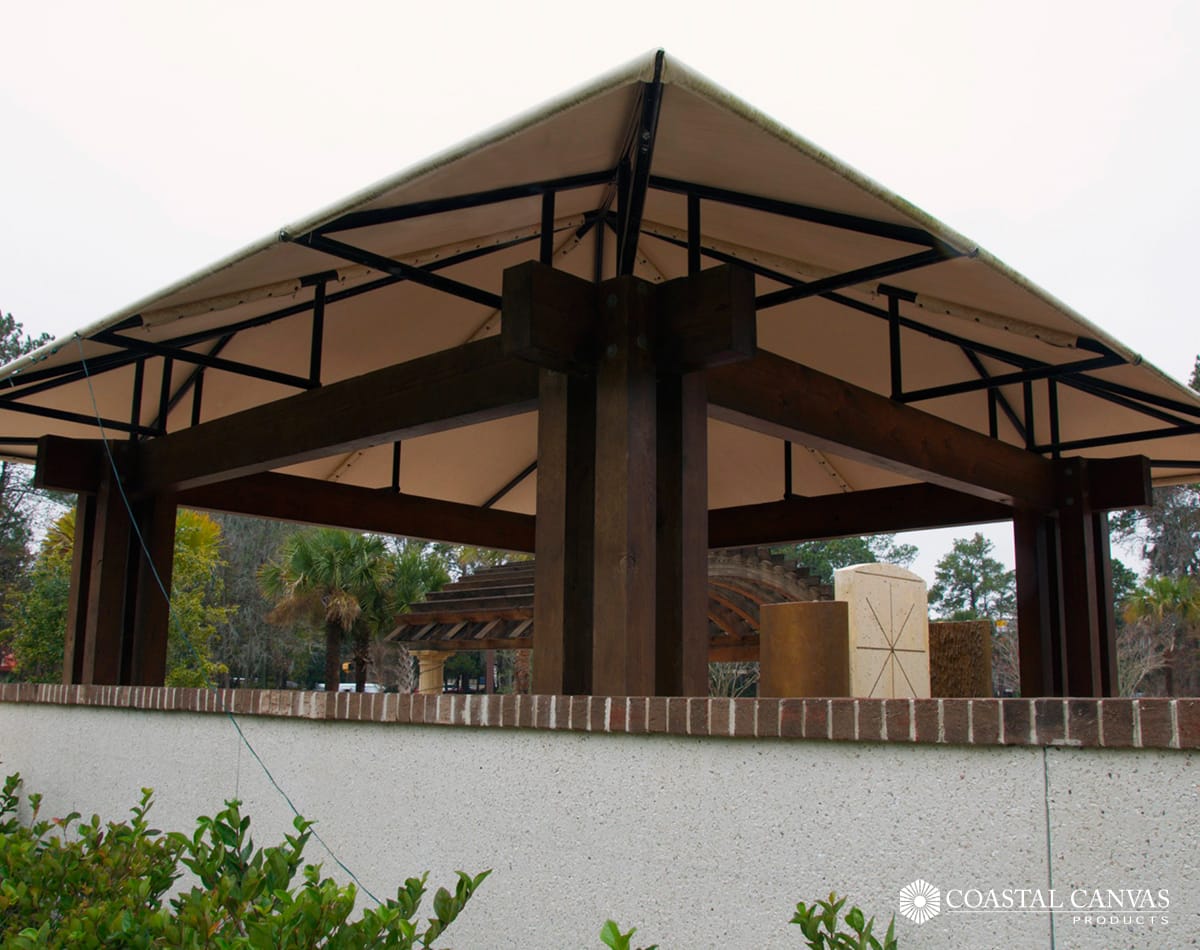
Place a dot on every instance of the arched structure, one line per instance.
(493, 609)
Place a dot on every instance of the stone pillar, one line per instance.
(430, 680)
(889, 630)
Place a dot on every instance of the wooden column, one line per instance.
(104, 609)
(623, 416)
(117, 616)
(1105, 608)
(1064, 578)
(681, 660)
(624, 592)
(1086, 586)
(562, 604)
(1039, 603)
(81, 567)
(149, 605)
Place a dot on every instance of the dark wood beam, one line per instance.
(876, 511)
(702, 320)
(69, 464)
(470, 384)
(706, 319)
(788, 400)
(549, 318)
(1119, 483)
(306, 500)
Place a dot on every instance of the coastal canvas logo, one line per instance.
(920, 901)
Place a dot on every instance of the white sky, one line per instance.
(142, 141)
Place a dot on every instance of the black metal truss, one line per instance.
(801, 212)
(386, 265)
(147, 348)
(802, 289)
(511, 484)
(417, 209)
(1028, 368)
(64, 415)
(638, 160)
(32, 382)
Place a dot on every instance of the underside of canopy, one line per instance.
(849, 280)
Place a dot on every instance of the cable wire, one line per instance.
(173, 620)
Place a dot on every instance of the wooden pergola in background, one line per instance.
(638, 323)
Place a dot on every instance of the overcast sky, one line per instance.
(142, 141)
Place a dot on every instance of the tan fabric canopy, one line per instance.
(413, 265)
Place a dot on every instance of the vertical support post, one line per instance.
(624, 592)
(1088, 634)
(104, 620)
(150, 603)
(1055, 435)
(81, 567)
(546, 243)
(1039, 604)
(1027, 396)
(693, 235)
(396, 467)
(681, 623)
(598, 262)
(1105, 607)
(164, 394)
(197, 396)
(135, 401)
(894, 346)
(318, 334)
(562, 603)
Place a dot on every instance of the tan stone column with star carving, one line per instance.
(889, 631)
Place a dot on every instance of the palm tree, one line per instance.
(412, 569)
(328, 576)
(1158, 614)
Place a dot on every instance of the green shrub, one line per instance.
(65, 882)
(611, 936)
(824, 914)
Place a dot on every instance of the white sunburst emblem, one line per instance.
(920, 901)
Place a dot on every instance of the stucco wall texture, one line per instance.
(698, 841)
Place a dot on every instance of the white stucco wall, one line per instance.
(700, 842)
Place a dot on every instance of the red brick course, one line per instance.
(1086, 723)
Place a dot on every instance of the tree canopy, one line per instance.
(970, 584)
(823, 558)
(37, 614)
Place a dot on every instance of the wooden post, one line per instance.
(1105, 608)
(1086, 583)
(624, 592)
(81, 566)
(681, 661)
(150, 603)
(104, 611)
(1039, 604)
(562, 604)
(620, 601)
